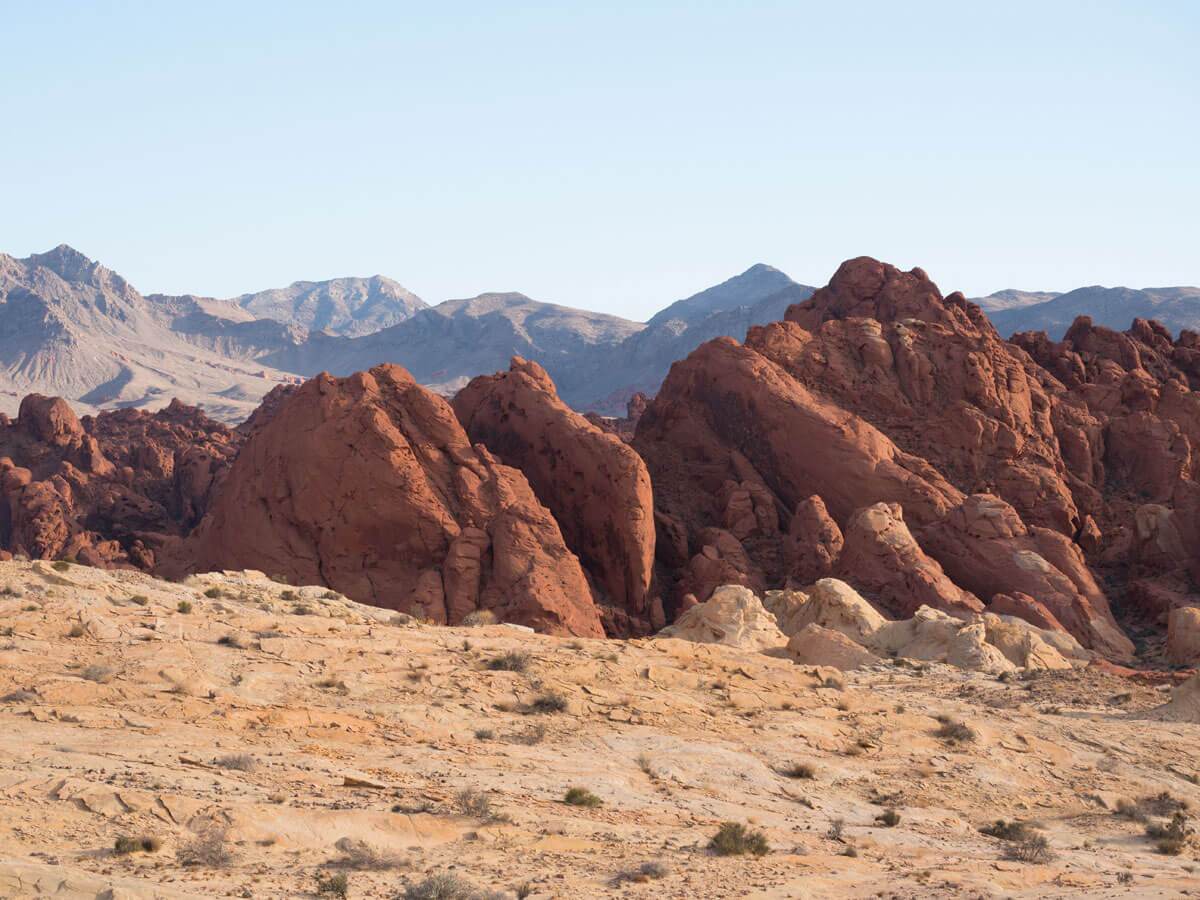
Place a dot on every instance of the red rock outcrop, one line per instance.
(879, 389)
(733, 443)
(107, 490)
(593, 483)
(370, 485)
(884, 561)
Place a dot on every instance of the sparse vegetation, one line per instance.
(1171, 836)
(77, 630)
(213, 593)
(835, 684)
(1008, 831)
(232, 640)
(954, 732)
(184, 606)
(358, 854)
(125, 844)
(889, 818)
(442, 886)
(579, 796)
(20, 696)
(241, 762)
(479, 618)
(548, 702)
(333, 886)
(798, 770)
(836, 827)
(510, 661)
(1032, 849)
(61, 565)
(139, 599)
(484, 734)
(98, 673)
(475, 803)
(736, 839)
(209, 849)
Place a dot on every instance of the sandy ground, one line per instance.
(269, 738)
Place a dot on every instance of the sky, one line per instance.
(613, 156)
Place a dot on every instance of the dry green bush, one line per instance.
(1033, 849)
(736, 839)
(580, 796)
(510, 661)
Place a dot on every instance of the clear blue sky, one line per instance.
(616, 157)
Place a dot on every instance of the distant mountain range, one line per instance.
(1012, 311)
(70, 327)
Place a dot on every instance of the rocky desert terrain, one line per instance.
(234, 736)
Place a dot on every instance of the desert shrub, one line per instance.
(98, 673)
(213, 593)
(20, 696)
(954, 732)
(655, 869)
(479, 618)
(798, 770)
(61, 565)
(442, 886)
(1033, 849)
(579, 796)
(484, 734)
(511, 661)
(472, 802)
(208, 849)
(549, 702)
(835, 684)
(241, 762)
(889, 818)
(184, 606)
(358, 854)
(231, 640)
(279, 579)
(1007, 831)
(139, 599)
(289, 596)
(333, 886)
(530, 736)
(77, 630)
(836, 827)
(735, 839)
(145, 844)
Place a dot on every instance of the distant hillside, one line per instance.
(1176, 307)
(344, 306)
(70, 327)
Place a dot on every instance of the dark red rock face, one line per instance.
(369, 484)
(594, 484)
(108, 490)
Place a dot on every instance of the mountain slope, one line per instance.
(346, 306)
(1175, 307)
(70, 327)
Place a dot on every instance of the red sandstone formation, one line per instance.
(593, 483)
(111, 489)
(369, 484)
(883, 560)
(1046, 480)
(879, 389)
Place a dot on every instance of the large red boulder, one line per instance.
(594, 484)
(985, 547)
(883, 560)
(370, 485)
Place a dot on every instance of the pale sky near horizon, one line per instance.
(617, 156)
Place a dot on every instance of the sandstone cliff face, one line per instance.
(369, 484)
(594, 484)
